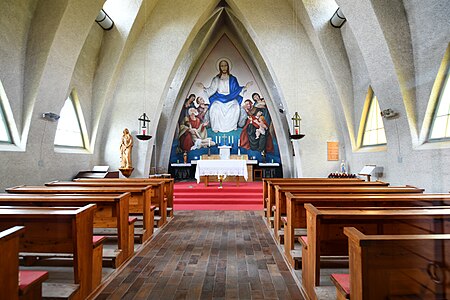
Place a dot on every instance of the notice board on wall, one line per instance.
(333, 150)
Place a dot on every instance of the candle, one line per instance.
(209, 142)
(216, 139)
(219, 139)
(239, 142)
(228, 139)
(297, 130)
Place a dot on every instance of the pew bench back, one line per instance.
(388, 266)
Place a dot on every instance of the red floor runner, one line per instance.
(193, 196)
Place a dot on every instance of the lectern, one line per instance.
(367, 171)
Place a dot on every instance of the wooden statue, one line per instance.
(126, 146)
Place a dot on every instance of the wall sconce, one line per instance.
(104, 20)
(338, 19)
(389, 114)
(143, 129)
(49, 116)
(296, 127)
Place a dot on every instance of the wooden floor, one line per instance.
(207, 255)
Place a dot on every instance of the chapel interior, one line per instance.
(360, 88)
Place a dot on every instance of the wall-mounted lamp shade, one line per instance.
(104, 20)
(389, 114)
(49, 116)
(338, 19)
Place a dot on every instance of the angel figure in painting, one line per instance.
(125, 150)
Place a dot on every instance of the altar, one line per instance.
(220, 167)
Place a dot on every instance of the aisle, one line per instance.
(207, 255)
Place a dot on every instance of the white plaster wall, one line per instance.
(287, 49)
(403, 162)
(15, 19)
(297, 72)
(43, 72)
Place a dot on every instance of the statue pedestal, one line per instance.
(126, 171)
(224, 152)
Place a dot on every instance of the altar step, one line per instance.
(218, 195)
(193, 196)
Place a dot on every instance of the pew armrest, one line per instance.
(304, 241)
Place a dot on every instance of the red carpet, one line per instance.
(193, 196)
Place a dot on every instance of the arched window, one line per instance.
(440, 127)
(69, 132)
(373, 134)
(5, 132)
(5, 136)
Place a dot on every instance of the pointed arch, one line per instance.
(9, 135)
(221, 21)
(439, 103)
(71, 131)
(371, 129)
(5, 135)
(440, 128)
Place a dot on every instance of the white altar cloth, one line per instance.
(229, 167)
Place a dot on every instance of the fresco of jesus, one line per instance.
(225, 97)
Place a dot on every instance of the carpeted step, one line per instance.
(217, 201)
(235, 195)
(216, 207)
(193, 196)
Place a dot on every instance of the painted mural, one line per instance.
(224, 107)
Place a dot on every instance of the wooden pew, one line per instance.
(58, 230)
(14, 283)
(157, 192)
(325, 236)
(9, 262)
(397, 266)
(343, 188)
(111, 212)
(268, 187)
(139, 203)
(296, 213)
(168, 186)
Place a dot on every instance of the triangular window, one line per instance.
(374, 133)
(5, 136)
(440, 128)
(5, 131)
(69, 131)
